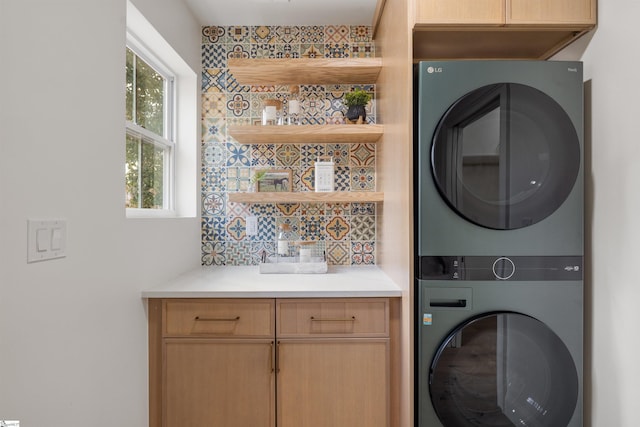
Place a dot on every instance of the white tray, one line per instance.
(290, 265)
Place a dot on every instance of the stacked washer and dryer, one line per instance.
(499, 243)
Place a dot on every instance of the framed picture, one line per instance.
(276, 180)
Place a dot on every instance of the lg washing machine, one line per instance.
(499, 243)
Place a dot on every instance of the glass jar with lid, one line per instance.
(272, 112)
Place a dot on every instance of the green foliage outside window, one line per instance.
(145, 159)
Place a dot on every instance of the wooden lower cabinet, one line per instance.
(335, 382)
(269, 362)
(219, 383)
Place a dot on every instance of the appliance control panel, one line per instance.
(515, 268)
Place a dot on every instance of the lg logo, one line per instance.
(432, 70)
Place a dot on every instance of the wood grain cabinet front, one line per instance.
(269, 362)
(498, 29)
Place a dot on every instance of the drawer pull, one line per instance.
(217, 319)
(334, 319)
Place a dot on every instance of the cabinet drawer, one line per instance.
(333, 317)
(219, 317)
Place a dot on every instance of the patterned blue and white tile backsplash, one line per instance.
(348, 230)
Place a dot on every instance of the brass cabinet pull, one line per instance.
(333, 319)
(271, 358)
(217, 319)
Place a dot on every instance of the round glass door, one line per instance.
(503, 369)
(505, 156)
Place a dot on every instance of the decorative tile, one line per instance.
(287, 209)
(263, 50)
(337, 228)
(338, 209)
(365, 208)
(214, 56)
(257, 249)
(338, 253)
(312, 34)
(360, 33)
(287, 155)
(213, 34)
(238, 34)
(227, 165)
(237, 228)
(266, 229)
(339, 152)
(232, 85)
(308, 209)
(213, 179)
(287, 34)
(312, 228)
(213, 204)
(287, 50)
(213, 80)
(238, 209)
(363, 178)
(309, 154)
(263, 209)
(237, 179)
(337, 50)
(239, 51)
(238, 105)
(363, 253)
(214, 104)
(213, 154)
(363, 154)
(307, 179)
(214, 129)
(363, 50)
(336, 33)
(213, 228)
(263, 34)
(311, 50)
(238, 253)
(263, 155)
(238, 154)
(294, 224)
(342, 178)
(363, 227)
(213, 253)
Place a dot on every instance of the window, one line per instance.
(150, 146)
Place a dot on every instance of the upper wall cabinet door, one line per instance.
(551, 12)
(480, 12)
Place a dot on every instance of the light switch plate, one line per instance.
(46, 239)
(252, 225)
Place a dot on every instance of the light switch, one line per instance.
(46, 239)
(42, 240)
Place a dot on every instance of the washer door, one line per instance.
(505, 156)
(503, 369)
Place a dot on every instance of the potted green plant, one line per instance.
(257, 176)
(355, 102)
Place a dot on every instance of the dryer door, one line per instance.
(503, 369)
(505, 156)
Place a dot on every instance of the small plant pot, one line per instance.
(356, 111)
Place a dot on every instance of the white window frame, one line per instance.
(167, 141)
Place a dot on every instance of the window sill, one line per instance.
(151, 213)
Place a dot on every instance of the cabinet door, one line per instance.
(219, 382)
(333, 382)
(480, 12)
(552, 12)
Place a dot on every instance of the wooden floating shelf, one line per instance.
(305, 71)
(303, 134)
(308, 197)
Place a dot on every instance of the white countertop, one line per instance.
(247, 282)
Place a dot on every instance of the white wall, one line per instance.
(73, 331)
(612, 64)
